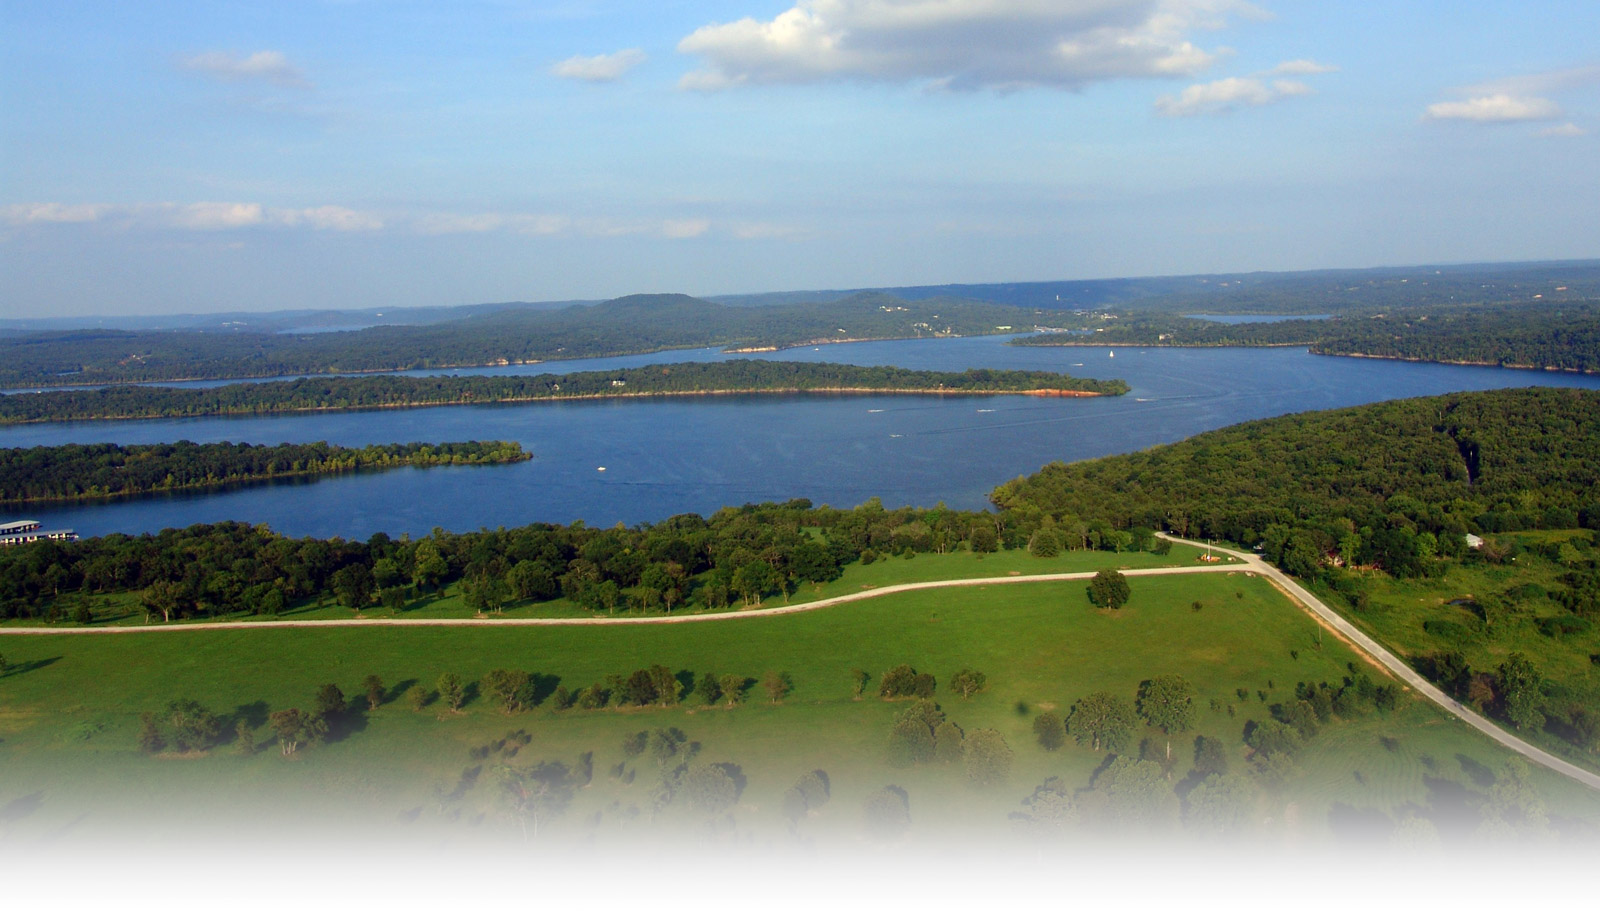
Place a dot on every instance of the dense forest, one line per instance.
(1392, 484)
(1564, 337)
(350, 393)
(623, 326)
(76, 472)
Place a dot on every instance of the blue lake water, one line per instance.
(666, 456)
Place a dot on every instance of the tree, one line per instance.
(1101, 719)
(293, 728)
(150, 737)
(451, 691)
(807, 795)
(1209, 757)
(912, 735)
(353, 586)
(510, 688)
(540, 794)
(330, 705)
(968, 683)
(711, 790)
(858, 678)
(194, 727)
(732, 685)
(1166, 702)
(988, 758)
(1046, 543)
(1050, 730)
(666, 686)
(778, 685)
(1108, 589)
(165, 597)
(949, 743)
(244, 738)
(418, 697)
(1521, 694)
(1136, 794)
(374, 688)
(708, 689)
(1222, 804)
(888, 813)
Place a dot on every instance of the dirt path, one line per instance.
(873, 593)
(1368, 647)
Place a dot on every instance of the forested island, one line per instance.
(1557, 337)
(735, 376)
(81, 472)
(622, 326)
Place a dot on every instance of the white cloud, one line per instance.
(961, 44)
(1228, 94)
(1498, 107)
(483, 223)
(270, 66)
(1522, 98)
(1568, 130)
(1302, 67)
(50, 213)
(684, 228)
(600, 68)
(192, 216)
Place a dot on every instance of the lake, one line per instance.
(670, 455)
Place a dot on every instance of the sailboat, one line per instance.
(1112, 354)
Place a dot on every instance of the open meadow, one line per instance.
(70, 707)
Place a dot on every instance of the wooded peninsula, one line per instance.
(83, 472)
(1556, 337)
(737, 376)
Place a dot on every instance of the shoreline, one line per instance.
(708, 392)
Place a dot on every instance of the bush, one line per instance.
(1449, 631)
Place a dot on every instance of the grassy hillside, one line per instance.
(69, 718)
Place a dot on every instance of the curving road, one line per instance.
(1253, 564)
(1400, 669)
(873, 593)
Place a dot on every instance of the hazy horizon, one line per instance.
(177, 157)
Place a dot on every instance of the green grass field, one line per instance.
(68, 710)
(125, 608)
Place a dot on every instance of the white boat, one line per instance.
(601, 468)
(875, 411)
(1112, 354)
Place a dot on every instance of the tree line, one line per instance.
(1563, 337)
(387, 391)
(1397, 484)
(736, 556)
(76, 472)
(622, 326)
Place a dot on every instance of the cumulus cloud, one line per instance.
(50, 213)
(1498, 107)
(960, 44)
(1227, 94)
(600, 68)
(270, 66)
(684, 228)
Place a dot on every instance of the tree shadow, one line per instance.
(18, 808)
(1452, 807)
(541, 686)
(345, 724)
(1481, 775)
(396, 692)
(253, 714)
(734, 772)
(1363, 825)
(686, 680)
(469, 693)
(29, 666)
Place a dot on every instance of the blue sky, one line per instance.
(162, 157)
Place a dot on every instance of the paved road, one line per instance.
(1402, 671)
(599, 622)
